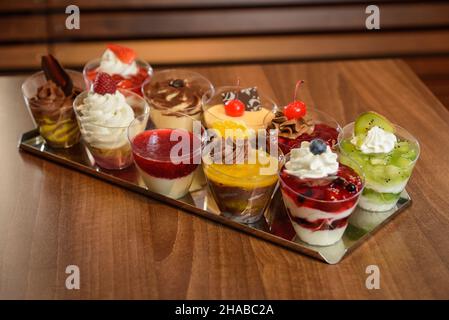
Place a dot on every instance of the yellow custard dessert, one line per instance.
(252, 119)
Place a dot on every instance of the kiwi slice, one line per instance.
(367, 120)
(381, 197)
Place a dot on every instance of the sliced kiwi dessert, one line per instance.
(370, 119)
(381, 197)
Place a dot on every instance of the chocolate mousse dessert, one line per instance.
(241, 188)
(175, 98)
(295, 123)
(51, 105)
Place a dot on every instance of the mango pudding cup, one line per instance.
(387, 174)
(133, 83)
(319, 208)
(53, 113)
(174, 97)
(165, 157)
(109, 145)
(257, 106)
(315, 124)
(242, 187)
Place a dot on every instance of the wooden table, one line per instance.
(129, 246)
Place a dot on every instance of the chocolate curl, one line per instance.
(54, 72)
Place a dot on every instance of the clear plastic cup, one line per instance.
(321, 222)
(53, 115)
(165, 157)
(325, 128)
(387, 174)
(242, 183)
(174, 96)
(110, 146)
(136, 82)
(214, 110)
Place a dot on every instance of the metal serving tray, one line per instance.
(275, 227)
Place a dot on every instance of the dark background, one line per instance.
(192, 32)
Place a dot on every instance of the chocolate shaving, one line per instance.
(249, 97)
(293, 128)
(227, 151)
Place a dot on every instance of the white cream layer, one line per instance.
(173, 188)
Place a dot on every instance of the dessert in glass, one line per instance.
(296, 123)
(233, 103)
(241, 178)
(320, 190)
(104, 114)
(165, 157)
(122, 65)
(49, 96)
(175, 97)
(387, 154)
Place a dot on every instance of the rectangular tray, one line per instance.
(275, 228)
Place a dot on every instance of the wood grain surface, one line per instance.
(129, 246)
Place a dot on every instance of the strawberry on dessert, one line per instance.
(319, 192)
(104, 114)
(296, 123)
(122, 65)
(164, 170)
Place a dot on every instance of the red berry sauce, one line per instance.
(334, 196)
(151, 150)
(133, 83)
(322, 131)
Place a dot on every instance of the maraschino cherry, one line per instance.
(296, 109)
(235, 107)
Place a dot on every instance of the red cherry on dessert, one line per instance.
(234, 108)
(295, 110)
(104, 84)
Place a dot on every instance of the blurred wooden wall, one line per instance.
(175, 32)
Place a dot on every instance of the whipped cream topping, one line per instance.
(377, 140)
(304, 164)
(111, 64)
(104, 119)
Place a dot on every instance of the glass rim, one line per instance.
(146, 110)
(96, 62)
(41, 72)
(320, 112)
(210, 86)
(414, 140)
(361, 174)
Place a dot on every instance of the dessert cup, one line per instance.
(387, 174)
(134, 83)
(242, 188)
(174, 96)
(292, 132)
(53, 113)
(319, 209)
(214, 106)
(109, 146)
(165, 157)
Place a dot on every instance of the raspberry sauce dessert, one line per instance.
(163, 170)
(320, 191)
(122, 65)
(296, 123)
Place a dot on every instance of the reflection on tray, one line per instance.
(276, 226)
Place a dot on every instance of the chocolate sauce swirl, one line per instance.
(293, 128)
(175, 97)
